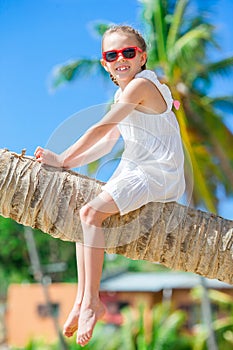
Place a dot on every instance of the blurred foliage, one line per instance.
(75, 68)
(222, 313)
(14, 257)
(15, 262)
(165, 333)
(114, 263)
(161, 328)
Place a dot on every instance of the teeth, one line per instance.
(122, 68)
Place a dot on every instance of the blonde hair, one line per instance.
(128, 30)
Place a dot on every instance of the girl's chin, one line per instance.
(124, 76)
(121, 78)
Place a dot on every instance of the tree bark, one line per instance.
(176, 236)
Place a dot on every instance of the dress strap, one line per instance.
(163, 88)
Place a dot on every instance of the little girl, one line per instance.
(151, 168)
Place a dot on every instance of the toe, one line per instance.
(80, 340)
(68, 334)
(69, 331)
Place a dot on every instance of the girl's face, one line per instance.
(123, 69)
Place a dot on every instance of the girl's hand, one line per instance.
(48, 157)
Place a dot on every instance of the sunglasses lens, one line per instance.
(111, 56)
(129, 52)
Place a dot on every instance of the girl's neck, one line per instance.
(123, 84)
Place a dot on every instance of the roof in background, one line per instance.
(157, 281)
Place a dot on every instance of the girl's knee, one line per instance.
(89, 215)
(85, 213)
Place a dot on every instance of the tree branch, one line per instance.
(176, 236)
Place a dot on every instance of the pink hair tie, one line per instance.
(176, 104)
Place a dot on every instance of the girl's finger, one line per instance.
(38, 150)
(39, 153)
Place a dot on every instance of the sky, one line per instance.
(36, 36)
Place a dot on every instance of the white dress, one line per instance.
(152, 164)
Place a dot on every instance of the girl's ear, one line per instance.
(103, 63)
(143, 58)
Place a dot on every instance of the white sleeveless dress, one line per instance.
(152, 164)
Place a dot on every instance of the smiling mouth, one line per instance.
(122, 68)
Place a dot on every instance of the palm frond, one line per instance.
(221, 67)
(221, 102)
(160, 29)
(100, 27)
(218, 166)
(190, 41)
(202, 190)
(93, 167)
(74, 69)
(176, 23)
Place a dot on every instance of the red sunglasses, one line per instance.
(127, 52)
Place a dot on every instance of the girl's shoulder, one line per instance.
(151, 76)
(147, 74)
(163, 88)
(134, 87)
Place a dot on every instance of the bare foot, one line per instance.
(71, 324)
(89, 315)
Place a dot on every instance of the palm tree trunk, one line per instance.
(176, 236)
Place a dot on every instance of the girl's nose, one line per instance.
(120, 57)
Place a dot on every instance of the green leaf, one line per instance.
(100, 28)
(72, 70)
(176, 23)
(93, 167)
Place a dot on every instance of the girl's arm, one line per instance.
(100, 149)
(95, 134)
(130, 98)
